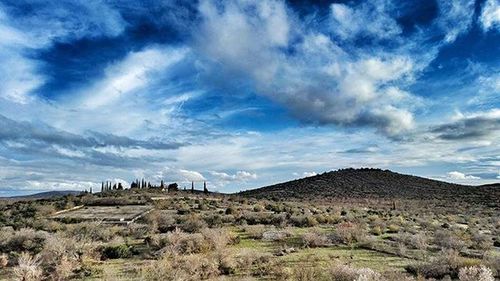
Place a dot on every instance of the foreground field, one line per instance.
(143, 235)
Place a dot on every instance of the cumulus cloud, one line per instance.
(461, 176)
(319, 82)
(490, 15)
(179, 175)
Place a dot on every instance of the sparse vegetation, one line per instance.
(197, 236)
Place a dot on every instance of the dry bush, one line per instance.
(28, 268)
(446, 263)
(159, 221)
(396, 276)
(218, 239)
(246, 259)
(136, 230)
(304, 221)
(415, 241)
(4, 260)
(24, 240)
(259, 264)
(481, 242)
(193, 224)
(492, 261)
(306, 274)
(276, 235)
(255, 231)
(341, 272)
(189, 268)
(475, 273)
(179, 242)
(348, 233)
(60, 257)
(448, 240)
(314, 239)
(91, 231)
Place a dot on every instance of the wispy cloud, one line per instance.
(490, 15)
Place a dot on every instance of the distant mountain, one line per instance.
(377, 184)
(44, 195)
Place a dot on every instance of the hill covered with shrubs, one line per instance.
(369, 183)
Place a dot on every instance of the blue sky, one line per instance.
(246, 93)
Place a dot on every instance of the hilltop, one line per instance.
(370, 183)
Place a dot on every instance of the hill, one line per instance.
(375, 184)
(43, 195)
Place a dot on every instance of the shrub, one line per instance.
(28, 268)
(481, 242)
(448, 240)
(25, 240)
(376, 230)
(258, 208)
(179, 242)
(60, 257)
(447, 263)
(492, 261)
(90, 231)
(136, 230)
(231, 210)
(306, 274)
(116, 252)
(159, 221)
(340, 272)
(217, 239)
(314, 239)
(189, 268)
(348, 233)
(4, 260)
(275, 235)
(213, 220)
(475, 273)
(193, 224)
(255, 231)
(392, 228)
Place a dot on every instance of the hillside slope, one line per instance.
(43, 195)
(377, 184)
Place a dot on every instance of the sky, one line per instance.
(242, 93)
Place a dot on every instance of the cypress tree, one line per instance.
(205, 190)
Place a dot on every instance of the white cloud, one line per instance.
(241, 176)
(455, 175)
(131, 74)
(171, 174)
(49, 22)
(455, 17)
(320, 82)
(368, 18)
(309, 174)
(490, 15)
